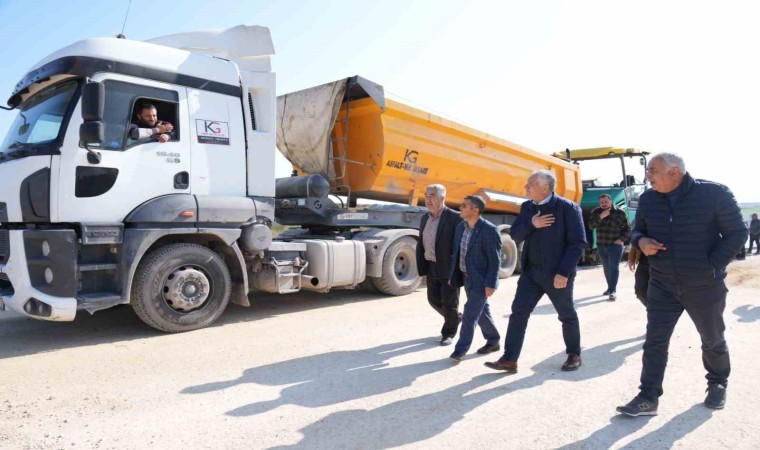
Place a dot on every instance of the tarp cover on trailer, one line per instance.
(306, 120)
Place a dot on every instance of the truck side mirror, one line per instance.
(93, 101)
(92, 132)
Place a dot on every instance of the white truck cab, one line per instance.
(91, 218)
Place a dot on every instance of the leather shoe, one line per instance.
(503, 364)
(573, 362)
(486, 349)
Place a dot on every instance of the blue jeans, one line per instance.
(476, 312)
(610, 256)
(531, 286)
(705, 305)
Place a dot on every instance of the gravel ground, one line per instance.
(360, 371)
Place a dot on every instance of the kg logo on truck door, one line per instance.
(409, 163)
(212, 132)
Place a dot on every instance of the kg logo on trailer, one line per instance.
(409, 163)
(212, 132)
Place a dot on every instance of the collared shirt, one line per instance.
(546, 200)
(429, 234)
(463, 247)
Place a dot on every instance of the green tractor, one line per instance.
(619, 172)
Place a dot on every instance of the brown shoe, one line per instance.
(573, 362)
(503, 364)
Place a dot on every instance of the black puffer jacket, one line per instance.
(702, 233)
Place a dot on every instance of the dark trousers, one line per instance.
(610, 256)
(754, 238)
(641, 277)
(705, 306)
(531, 286)
(444, 299)
(476, 312)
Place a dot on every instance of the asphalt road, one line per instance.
(360, 371)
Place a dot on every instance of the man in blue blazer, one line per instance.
(475, 265)
(551, 228)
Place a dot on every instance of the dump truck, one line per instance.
(91, 218)
(616, 171)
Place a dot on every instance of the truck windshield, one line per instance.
(39, 120)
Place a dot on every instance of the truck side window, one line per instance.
(164, 112)
(121, 100)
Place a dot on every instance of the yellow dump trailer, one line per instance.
(374, 148)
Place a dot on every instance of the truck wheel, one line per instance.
(509, 255)
(399, 271)
(181, 287)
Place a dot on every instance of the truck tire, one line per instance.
(181, 287)
(399, 270)
(509, 255)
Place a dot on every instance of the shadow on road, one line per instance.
(22, 336)
(748, 313)
(333, 378)
(664, 437)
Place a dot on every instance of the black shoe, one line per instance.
(716, 396)
(447, 340)
(457, 357)
(612, 297)
(486, 349)
(638, 407)
(607, 292)
(573, 362)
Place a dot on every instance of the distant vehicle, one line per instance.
(619, 172)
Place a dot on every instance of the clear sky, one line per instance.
(679, 76)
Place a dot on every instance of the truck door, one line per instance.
(131, 171)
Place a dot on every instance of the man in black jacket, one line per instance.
(434, 250)
(754, 234)
(690, 230)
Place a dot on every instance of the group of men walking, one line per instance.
(685, 233)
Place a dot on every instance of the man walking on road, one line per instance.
(690, 230)
(475, 265)
(552, 229)
(434, 250)
(612, 230)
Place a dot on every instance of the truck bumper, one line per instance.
(17, 292)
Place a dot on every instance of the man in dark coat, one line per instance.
(554, 236)
(434, 250)
(475, 265)
(754, 234)
(690, 230)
